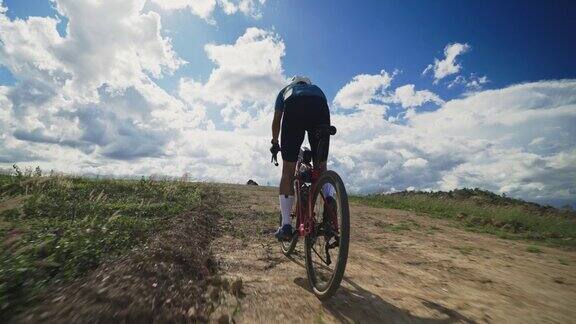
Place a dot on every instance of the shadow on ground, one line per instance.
(355, 304)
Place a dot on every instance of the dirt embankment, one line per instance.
(164, 280)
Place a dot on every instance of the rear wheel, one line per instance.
(326, 247)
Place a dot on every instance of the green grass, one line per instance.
(403, 225)
(533, 249)
(433, 230)
(481, 212)
(319, 319)
(466, 250)
(54, 229)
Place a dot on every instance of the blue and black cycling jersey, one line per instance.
(297, 90)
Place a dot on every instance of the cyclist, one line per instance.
(300, 108)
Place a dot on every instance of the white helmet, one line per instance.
(298, 78)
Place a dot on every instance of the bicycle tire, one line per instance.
(344, 240)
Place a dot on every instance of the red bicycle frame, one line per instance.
(305, 215)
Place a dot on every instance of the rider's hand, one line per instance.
(275, 148)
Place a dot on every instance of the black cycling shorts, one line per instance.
(303, 114)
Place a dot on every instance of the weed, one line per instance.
(466, 250)
(433, 230)
(533, 249)
(403, 225)
(319, 319)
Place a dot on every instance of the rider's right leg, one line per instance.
(327, 189)
(291, 138)
(288, 169)
(329, 193)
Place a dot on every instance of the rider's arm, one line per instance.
(278, 109)
(276, 125)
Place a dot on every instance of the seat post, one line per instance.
(321, 144)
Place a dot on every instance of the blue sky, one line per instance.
(428, 95)
(332, 40)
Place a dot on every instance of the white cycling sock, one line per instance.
(286, 208)
(328, 190)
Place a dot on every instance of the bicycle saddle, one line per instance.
(325, 130)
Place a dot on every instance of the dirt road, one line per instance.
(403, 268)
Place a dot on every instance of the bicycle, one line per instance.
(323, 221)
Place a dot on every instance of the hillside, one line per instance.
(88, 250)
(483, 211)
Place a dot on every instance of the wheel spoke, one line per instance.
(319, 256)
(328, 259)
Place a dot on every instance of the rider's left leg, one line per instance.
(286, 196)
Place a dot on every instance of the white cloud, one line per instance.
(362, 89)
(87, 57)
(247, 7)
(205, 8)
(517, 140)
(416, 163)
(409, 98)
(448, 65)
(476, 83)
(81, 107)
(247, 77)
(88, 91)
(472, 83)
(200, 8)
(367, 89)
(362, 124)
(250, 69)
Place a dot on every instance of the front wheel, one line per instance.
(326, 247)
